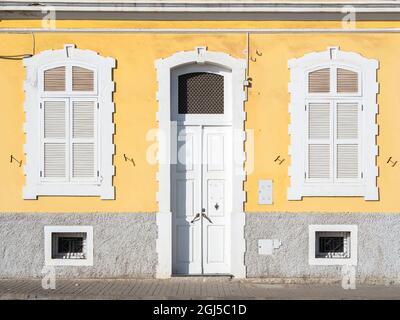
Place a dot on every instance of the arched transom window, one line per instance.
(200, 93)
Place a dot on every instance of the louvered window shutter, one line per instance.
(319, 153)
(54, 79)
(347, 81)
(84, 139)
(54, 136)
(319, 81)
(347, 140)
(82, 79)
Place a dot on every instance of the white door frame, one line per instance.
(168, 129)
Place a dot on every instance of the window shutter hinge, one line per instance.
(98, 104)
(362, 175)
(305, 175)
(40, 105)
(98, 173)
(362, 107)
(305, 107)
(41, 173)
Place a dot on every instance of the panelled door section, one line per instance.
(186, 203)
(201, 200)
(217, 166)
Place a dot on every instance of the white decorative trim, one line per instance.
(48, 247)
(209, 6)
(201, 30)
(297, 88)
(103, 66)
(167, 136)
(313, 229)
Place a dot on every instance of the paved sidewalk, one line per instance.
(188, 288)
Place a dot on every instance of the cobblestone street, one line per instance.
(188, 288)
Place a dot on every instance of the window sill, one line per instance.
(343, 190)
(105, 192)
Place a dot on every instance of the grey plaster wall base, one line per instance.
(124, 244)
(378, 245)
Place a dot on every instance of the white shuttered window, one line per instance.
(333, 141)
(69, 147)
(333, 125)
(69, 124)
(333, 144)
(69, 140)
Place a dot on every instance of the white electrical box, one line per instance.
(264, 191)
(267, 246)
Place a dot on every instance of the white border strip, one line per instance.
(209, 7)
(199, 30)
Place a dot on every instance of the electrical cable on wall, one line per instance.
(21, 56)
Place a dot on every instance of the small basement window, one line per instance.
(69, 245)
(332, 244)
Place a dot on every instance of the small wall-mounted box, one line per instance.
(267, 246)
(265, 191)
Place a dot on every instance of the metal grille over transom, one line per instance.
(201, 93)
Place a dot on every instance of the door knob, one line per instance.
(205, 216)
(195, 218)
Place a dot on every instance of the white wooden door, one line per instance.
(201, 200)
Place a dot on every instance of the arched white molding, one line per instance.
(366, 68)
(167, 130)
(104, 88)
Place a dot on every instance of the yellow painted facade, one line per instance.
(136, 107)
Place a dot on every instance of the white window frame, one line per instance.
(103, 88)
(48, 245)
(368, 88)
(313, 229)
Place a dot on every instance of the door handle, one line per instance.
(205, 216)
(195, 218)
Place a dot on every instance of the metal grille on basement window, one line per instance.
(201, 93)
(69, 245)
(347, 81)
(82, 79)
(331, 244)
(54, 79)
(319, 81)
